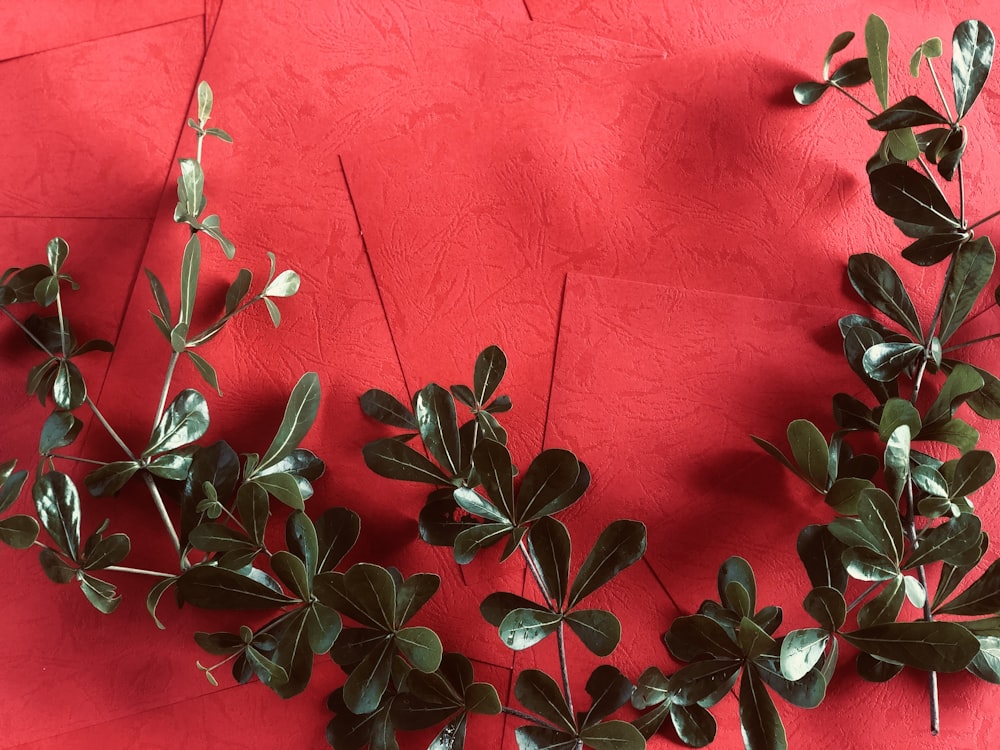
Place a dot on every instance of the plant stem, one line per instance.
(138, 571)
(854, 99)
(937, 85)
(984, 219)
(972, 341)
(62, 323)
(940, 302)
(213, 329)
(162, 403)
(864, 595)
(928, 171)
(563, 666)
(78, 459)
(532, 719)
(158, 502)
(537, 576)
(961, 195)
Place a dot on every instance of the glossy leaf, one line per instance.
(498, 605)
(801, 650)
(421, 647)
(523, 628)
(877, 47)
(844, 494)
(395, 460)
(542, 738)
(980, 598)
(549, 548)
(694, 725)
(809, 92)
(963, 381)
(154, 596)
(540, 694)
(11, 486)
(759, 720)
(887, 361)
(491, 364)
(69, 390)
(496, 472)
(413, 593)
(190, 268)
(474, 503)
(885, 607)
(970, 271)
(205, 369)
(438, 425)
(896, 461)
(620, 545)
(55, 569)
(879, 284)
(300, 413)
(101, 594)
(854, 72)
(986, 664)
(612, 735)
(337, 529)
(866, 565)
(880, 514)
(210, 587)
(820, 553)
(930, 646)
(110, 478)
(947, 540)
(387, 409)
(826, 605)
(953, 575)
(19, 531)
(971, 59)
(57, 504)
(932, 249)
(551, 474)
(183, 422)
(109, 550)
(810, 451)
(806, 692)
(972, 472)
(905, 194)
(471, 541)
(323, 625)
(694, 636)
(907, 113)
(372, 590)
(600, 631)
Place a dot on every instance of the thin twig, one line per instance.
(78, 459)
(864, 595)
(165, 390)
(537, 576)
(854, 99)
(162, 509)
(532, 719)
(138, 571)
(937, 85)
(971, 341)
(961, 195)
(984, 219)
(564, 666)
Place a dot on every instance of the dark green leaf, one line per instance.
(599, 631)
(438, 425)
(971, 59)
(809, 92)
(612, 735)
(269, 673)
(857, 341)
(421, 647)
(550, 475)
(323, 625)
(474, 503)
(879, 284)
(210, 587)
(205, 369)
(887, 361)
(68, 390)
(301, 541)
(762, 727)
(885, 607)
(387, 409)
(694, 725)
(336, 532)
(290, 569)
(57, 504)
(173, 466)
(986, 664)
(962, 382)
(896, 412)
(496, 472)
(876, 670)
(981, 598)
(469, 542)
(549, 547)
(947, 540)
(283, 487)
(372, 590)
(154, 596)
(46, 291)
(55, 569)
(101, 594)
(695, 636)
(300, 413)
(523, 628)
(498, 605)
(110, 550)
(395, 460)
(810, 451)
(826, 605)
(908, 113)
(972, 472)
(902, 144)
(877, 47)
(539, 693)
(806, 692)
(491, 364)
(19, 532)
(542, 738)
(896, 461)
(955, 432)
(190, 267)
(110, 478)
(413, 593)
(183, 422)
(801, 650)
(11, 487)
(930, 646)
(854, 72)
(190, 191)
(61, 428)
(932, 249)
(880, 514)
(970, 271)
(866, 565)
(293, 654)
(753, 640)
(839, 44)
(238, 290)
(490, 427)
(905, 194)
(620, 545)
(820, 552)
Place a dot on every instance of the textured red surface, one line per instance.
(620, 194)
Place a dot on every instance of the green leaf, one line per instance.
(972, 472)
(902, 144)
(909, 113)
(300, 413)
(806, 692)
(471, 541)
(931, 48)
(613, 735)
(759, 720)
(57, 251)
(190, 267)
(600, 631)
(539, 693)
(905, 194)
(550, 475)
(204, 101)
(68, 390)
(810, 451)
(897, 461)
(879, 284)
(337, 530)
(323, 625)
(387, 409)
(542, 738)
(491, 364)
(47, 290)
(932, 249)
(292, 572)
(694, 636)
(413, 593)
(421, 647)
(826, 605)
(877, 47)
(839, 44)
(154, 596)
(210, 587)
(955, 432)
(55, 569)
(963, 381)
(101, 594)
(844, 494)
(620, 545)
(283, 487)
(61, 428)
(885, 607)
(809, 92)
(801, 650)
(396, 460)
(523, 628)
(867, 565)
(971, 269)
(896, 412)
(57, 504)
(19, 532)
(736, 570)
(986, 402)
(981, 598)
(11, 486)
(205, 369)
(219, 133)
(498, 605)
(110, 478)
(986, 664)
(549, 548)
(947, 540)
(183, 422)
(438, 425)
(273, 311)
(694, 725)
(820, 552)
(285, 284)
(372, 590)
(929, 646)
(971, 58)
(238, 290)
(880, 515)
(887, 361)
